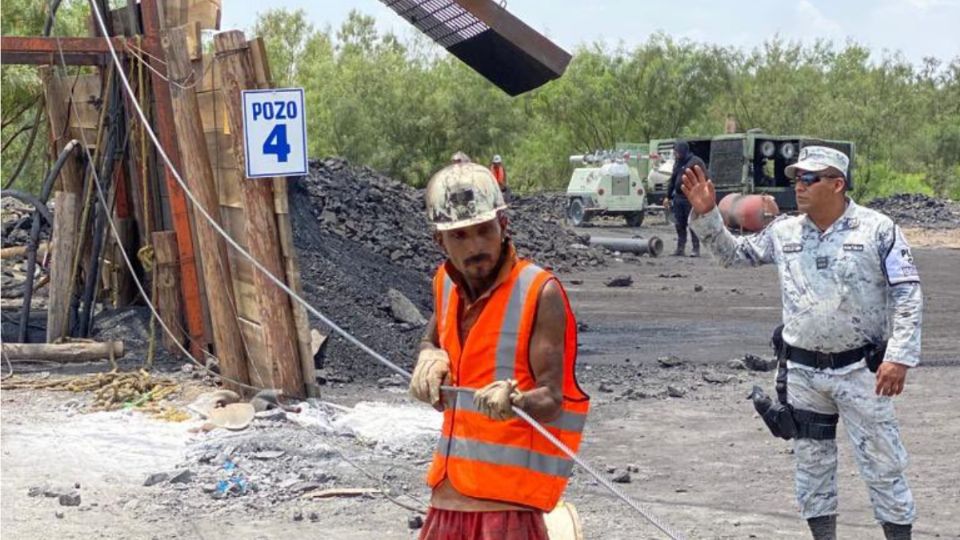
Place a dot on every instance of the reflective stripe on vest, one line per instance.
(498, 454)
(507, 342)
(444, 297)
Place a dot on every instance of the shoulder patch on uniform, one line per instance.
(792, 248)
(853, 247)
(899, 264)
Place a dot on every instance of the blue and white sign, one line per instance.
(274, 132)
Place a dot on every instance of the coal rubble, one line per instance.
(918, 210)
(359, 233)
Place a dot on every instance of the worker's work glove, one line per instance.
(433, 366)
(497, 399)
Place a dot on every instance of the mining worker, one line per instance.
(676, 201)
(504, 327)
(849, 286)
(500, 173)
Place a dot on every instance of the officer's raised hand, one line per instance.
(890, 378)
(699, 190)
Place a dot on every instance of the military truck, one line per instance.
(751, 162)
(604, 184)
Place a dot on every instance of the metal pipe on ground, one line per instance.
(652, 246)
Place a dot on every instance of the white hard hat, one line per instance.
(461, 195)
(497, 158)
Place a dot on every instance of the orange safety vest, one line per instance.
(500, 174)
(505, 461)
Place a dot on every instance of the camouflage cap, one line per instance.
(819, 158)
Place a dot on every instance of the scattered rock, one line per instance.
(676, 391)
(611, 470)
(575, 281)
(670, 276)
(756, 363)
(403, 309)
(736, 364)
(604, 387)
(59, 514)
(155, 479)
(36, 491)
(298, 516)
(619, 281)
(414, 522)
(716, 378)
(622, 478)
(70, 499)
(697, 288)
(669, 361)
(633, 394)
(633, 468)
(268, 454)
(182, 477)
(314, 517)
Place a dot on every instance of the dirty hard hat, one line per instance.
(461, 195)
(817, 159)
(459, 157)
(497, 158)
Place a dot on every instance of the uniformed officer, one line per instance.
(848, 284)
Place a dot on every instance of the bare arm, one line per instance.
(544, 403)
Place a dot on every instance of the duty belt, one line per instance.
(823, 360)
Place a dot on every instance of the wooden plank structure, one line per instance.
(209, 295)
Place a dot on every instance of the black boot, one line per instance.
(823, 527)
(696, 244)
(893, 531)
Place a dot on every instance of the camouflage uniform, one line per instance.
(853, 284)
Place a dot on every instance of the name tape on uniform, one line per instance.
(274, 132)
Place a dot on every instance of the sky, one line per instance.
(917, 28)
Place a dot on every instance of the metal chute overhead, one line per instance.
(486, 37)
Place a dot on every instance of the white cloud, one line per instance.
(815, 22)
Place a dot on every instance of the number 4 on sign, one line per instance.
(276, 143)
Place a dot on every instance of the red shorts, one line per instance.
(510, 525)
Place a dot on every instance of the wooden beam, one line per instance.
(56, 97)
(165, 127)
(227, 339)
(78, 351)
(237, 73)
(77, 51)
(64, 242)
(168, 294)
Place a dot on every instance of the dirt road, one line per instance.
(703, 462)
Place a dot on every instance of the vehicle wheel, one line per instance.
(635, 219)
(576, 213)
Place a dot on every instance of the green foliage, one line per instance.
(403, 106)
(21, 88)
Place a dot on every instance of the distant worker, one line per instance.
(459, 157)
(500, 173)
(504, 327)
(676, 201)
(848, 285)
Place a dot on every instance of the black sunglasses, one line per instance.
(811, 178)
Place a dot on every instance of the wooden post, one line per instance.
(237, 73)
(71, 178)
(61, 266)
(193, 311)
(165, 267)
(198, 173)
(261, 66)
